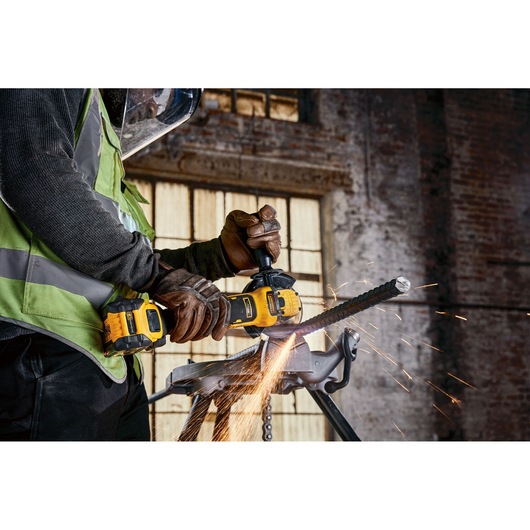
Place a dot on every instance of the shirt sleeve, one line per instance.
(41, 184)
(204, 258)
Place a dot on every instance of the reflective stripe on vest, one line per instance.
(15, 263)
(88, 146)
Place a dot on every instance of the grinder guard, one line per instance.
(274, 278)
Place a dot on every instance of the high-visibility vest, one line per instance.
(38, 290)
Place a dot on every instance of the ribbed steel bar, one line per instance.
(375, 296)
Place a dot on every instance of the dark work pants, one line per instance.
(49, 391)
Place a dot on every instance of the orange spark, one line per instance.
(384, 355)
(335, 291)
(462, 381)
(366, 282)
(452, 398)
(425, 286)
(443, 413)
(406, 373)
(366, 332)
(399, 430)
(406, 342)
(449, 314)
(245, 422)
(401, 385)
(424, 343)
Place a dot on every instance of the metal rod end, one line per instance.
(402, 284)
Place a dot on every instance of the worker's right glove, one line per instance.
(200, 309)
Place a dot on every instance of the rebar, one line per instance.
(375, 296)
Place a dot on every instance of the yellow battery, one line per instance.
(131, 326)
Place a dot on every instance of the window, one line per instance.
(286, 104)
(201, 216)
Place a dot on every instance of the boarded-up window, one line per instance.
(180, 215)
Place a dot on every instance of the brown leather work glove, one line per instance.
(199, 308)
(243, 232)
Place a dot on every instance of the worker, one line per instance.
(73, 238)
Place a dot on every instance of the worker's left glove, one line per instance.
(199, 308)
(243, 233)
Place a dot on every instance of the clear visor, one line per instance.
(152, 112)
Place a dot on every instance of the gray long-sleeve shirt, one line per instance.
(40, 183)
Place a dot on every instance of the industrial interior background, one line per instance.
(433, 185)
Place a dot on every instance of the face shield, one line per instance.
(149, 113)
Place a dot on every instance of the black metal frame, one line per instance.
(225, 381)
(183, 380)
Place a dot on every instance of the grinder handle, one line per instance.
(263, 258)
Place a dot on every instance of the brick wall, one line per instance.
(443, 197)
(379, 235)
(489, 134)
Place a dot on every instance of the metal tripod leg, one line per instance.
(199, 409)
(334, 416)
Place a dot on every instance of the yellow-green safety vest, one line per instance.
(38, 290)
